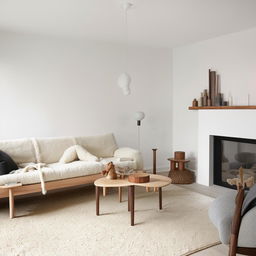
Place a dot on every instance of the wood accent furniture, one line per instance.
(156, 181)
(176, 164)
(178, 172)
(154, 160)
(12, 190)
(222, 107)
(233, 248)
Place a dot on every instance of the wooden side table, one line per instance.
(156, 181)
(176, 164)
(10, 188)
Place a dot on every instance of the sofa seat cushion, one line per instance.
(119, 162)
(56, 171)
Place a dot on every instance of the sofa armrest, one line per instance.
(134, 154)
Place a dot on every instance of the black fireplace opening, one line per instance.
(228, 155)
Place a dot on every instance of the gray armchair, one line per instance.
(234, 229)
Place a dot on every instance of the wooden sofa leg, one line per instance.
(11, 204)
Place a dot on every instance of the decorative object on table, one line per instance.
(124, 79)
(139, 178)
(124, 171)
(178, 172)
(110, 171)
(240, 181)
(139, 116)
(154, 160)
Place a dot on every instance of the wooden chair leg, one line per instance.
(232, 245)
(148, 189)
(11, 204)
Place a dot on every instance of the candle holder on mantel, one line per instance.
(178, 172)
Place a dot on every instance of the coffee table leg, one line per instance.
(120, 194)
(104, 191)
(129, 199)
(97, 194)
(132, 204)
(160, 198)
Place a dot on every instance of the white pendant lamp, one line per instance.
(124, 80)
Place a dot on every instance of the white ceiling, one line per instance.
(160, 23)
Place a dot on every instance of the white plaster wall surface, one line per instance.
(60, 87)
(233, 56)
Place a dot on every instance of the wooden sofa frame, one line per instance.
(12, 190)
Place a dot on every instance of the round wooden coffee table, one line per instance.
(156, 182)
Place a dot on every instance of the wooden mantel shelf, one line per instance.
(222, 107)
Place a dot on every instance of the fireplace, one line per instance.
(228, 154)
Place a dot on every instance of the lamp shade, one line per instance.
(123, 82)
(139, 116)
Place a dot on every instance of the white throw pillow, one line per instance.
(85, 155)
(69, 155)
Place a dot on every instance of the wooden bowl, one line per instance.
(139, 178)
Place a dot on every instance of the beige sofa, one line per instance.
(57, 175)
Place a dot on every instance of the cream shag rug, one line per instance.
(65, 224)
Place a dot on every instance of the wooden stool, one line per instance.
(10, 188)
(177, 164)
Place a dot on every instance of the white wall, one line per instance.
(234, 57)
(58, 87)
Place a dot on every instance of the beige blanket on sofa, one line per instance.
(34, 167)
